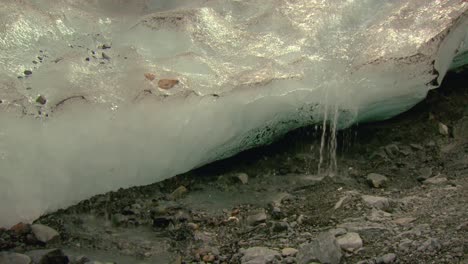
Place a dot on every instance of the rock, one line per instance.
(44, 233)
(257, 217)
(436, 180)
(350, 242)
(27, 72)
(460, 131)
(209, 258)
(404, 220)
(424, 173)
(280, 227)
(392, 150)
(150, 76)
(243, 177)
(386, 259)
(193, 226)
(41, 100)
(259, 255)
(432, 244)
(287, 252)
(14, 258)
(21, 228)
(377, 180)
(48, 256)
(105, 56)
(337, 231)
(416, 146)
(378, 202)
(167, 84)
(178, 193)
(443, 129)
(323, 249)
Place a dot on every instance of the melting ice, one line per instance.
(82, 112)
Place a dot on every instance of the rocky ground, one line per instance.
(399, 196)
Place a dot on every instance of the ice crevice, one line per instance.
(246, 74)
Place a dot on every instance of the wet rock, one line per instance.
(14, 258)
(287, 252)
(44, 233)
(167, 84)
(378, 202)
(178, 193)
(350, 242)
(243, 178)
(323, 249)
(41, 100)
(27, 72)
(48, 256)
(443, 129)
(377, 180)
(150, 76)
(259, 255)
(257, 217)
(386, 259)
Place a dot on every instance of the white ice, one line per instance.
(248, 73)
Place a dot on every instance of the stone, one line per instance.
(44, 233)
(432, 244)
(167, 84)
(378, 202)
(416, 146)
(287, 252)
(105, 56)
(41, 100)
(386, 259)
(392, 150)
(257, 217)
(443, 129)
(27, 72)
(337, 231)
(14, 258)
(404, 221)
(21, 228)
(350, 242)
(209, 258)
(48, 256)
(280, 227)
(436, 180)
(150, 76)
(259, 255)
(243, 178)
(377, 180)
(424, 173)
(460, 131)
(323, 249)
(178, 193)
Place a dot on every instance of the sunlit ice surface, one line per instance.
(81, 115)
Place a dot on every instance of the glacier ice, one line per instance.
(247, 72)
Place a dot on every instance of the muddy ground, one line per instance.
(399, 195)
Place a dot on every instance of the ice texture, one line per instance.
(248, 72)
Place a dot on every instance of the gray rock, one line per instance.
(378, 202)
(14, 258)
(48, 256)
(436, 180)
(386, 259)
(460, 131)
(323, 249)
(377, 180)
(443, 129)
(286, 252)
(243, 178)
(392, 150)
(44, 233)
(432, 244)
(260, 255)
(257, 217)
(350, 242)
(178, 193)
(425, 173)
